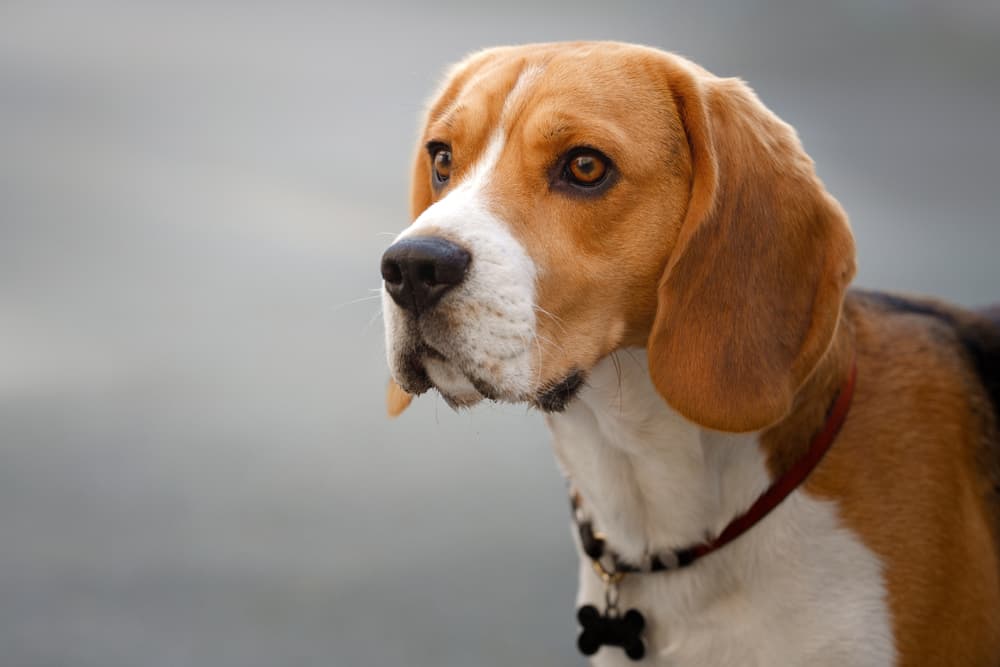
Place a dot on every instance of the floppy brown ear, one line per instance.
(396, 399)
(752, 292)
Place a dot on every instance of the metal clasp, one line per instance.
(609, 578)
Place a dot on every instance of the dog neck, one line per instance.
(652, 481)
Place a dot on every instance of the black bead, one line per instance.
(592, 546)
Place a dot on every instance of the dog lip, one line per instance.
(485, 390)
(554, 397)
(413, 376)
(431, 353)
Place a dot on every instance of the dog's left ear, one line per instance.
(396, 399)
(751, 295)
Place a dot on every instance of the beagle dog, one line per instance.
(644, 252)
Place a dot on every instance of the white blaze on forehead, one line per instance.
(525, 82)
(470, 192)
(527, 77)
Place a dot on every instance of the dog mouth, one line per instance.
(423, 368)
(428, 368)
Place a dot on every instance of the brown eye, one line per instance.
(586, 169)
(442, 165)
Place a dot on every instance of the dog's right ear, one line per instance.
(396, 399)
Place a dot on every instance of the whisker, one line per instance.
(555, 318)
(378, 314)
(618, 370)
(632, 356)
(551, 342)
(527, 340)
(354, 301)
(538, 371)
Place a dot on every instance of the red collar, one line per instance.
(612, 567)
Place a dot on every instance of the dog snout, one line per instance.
(419, 271)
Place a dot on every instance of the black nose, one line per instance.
(418, 271)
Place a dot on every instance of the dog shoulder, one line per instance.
(973, 335)
(951, 353)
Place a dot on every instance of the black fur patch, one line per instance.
(414, 378)
(981, 339)
(556, 396)
(485, 390)
(899, 304)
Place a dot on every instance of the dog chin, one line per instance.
(460, 391)
(456, 389)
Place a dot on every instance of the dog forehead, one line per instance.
(586, 79)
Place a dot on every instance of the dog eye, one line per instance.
(442, 165)
(586, 169)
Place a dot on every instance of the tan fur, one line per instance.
(721, 251)
(712, 178)
(764, 252)
(396, 399)
(601, 257)
(907, 475)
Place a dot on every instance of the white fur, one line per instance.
(797, 589)
(495, 304)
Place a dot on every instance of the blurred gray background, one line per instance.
(194, 464)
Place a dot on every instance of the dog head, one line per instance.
(573, 199)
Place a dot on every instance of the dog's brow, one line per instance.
(448, 120)
(557, 130)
